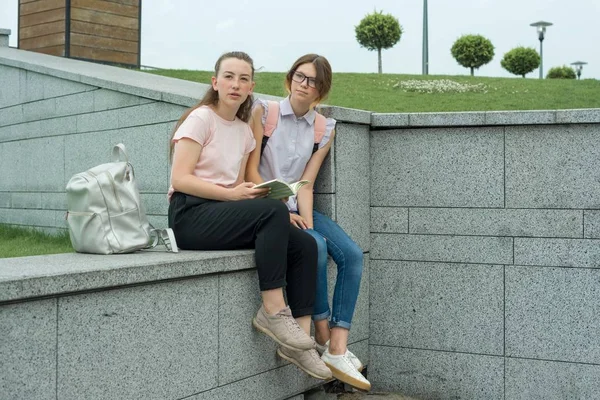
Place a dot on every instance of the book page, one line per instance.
(297, 185)
(273, 184)
(279, 189)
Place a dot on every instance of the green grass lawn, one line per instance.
(399, 93)
(19, 242)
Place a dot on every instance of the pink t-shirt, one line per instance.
(224, 145)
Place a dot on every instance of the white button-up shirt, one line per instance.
(290, 146)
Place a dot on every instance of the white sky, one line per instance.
(191, 34)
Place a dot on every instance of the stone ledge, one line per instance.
(24, 278)
(349, 115)
(485, 118)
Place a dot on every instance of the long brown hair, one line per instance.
(211, 97)
(323, 78)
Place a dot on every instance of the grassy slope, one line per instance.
(377, 93)
(19, 242)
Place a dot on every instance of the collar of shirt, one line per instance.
(285, 109)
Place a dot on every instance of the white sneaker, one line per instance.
(343, 370)
(355, 361)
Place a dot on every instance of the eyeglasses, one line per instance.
(300, 78)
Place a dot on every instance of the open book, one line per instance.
(281, 189)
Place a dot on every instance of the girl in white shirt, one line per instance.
(291, 154)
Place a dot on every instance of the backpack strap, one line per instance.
(119, 153)
(320, 127)
(272, 117)
(164, 236)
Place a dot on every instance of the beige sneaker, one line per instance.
(343, 370)
(283, 329)
(307, 360)
(355, 361)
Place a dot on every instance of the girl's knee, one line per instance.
(274, 208)
(354, 259)
(321, 246)
(277, 206)
(354, 253)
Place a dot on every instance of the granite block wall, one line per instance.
(28, 350)
(484, 259)
(173, 339)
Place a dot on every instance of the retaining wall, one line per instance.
(480, 233)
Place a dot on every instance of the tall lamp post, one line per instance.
(541, 28)
(578, 66)
(425, 40)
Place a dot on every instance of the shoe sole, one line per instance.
(272, 336)
(297, 364)
(342, 377)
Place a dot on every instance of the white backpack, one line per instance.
(105, 213)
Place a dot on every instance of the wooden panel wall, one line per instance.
(105, 30)
(97, 30)
(42, 26)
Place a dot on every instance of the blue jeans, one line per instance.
(332, 240)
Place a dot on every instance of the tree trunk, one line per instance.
(379, 60)
(472, 74)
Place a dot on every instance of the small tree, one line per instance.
(378, 31)
(472, 51)
(564, 72)
(521, 61)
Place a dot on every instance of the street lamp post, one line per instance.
(541, 28)
(578, 66)
(425, 40)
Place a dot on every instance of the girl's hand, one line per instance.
(298, 221)
(245, 191)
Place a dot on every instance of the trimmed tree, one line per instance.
(521, 60)
(564, 72)
(472, 51)
(378, 31)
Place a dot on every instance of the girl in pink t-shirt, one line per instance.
(212, 208)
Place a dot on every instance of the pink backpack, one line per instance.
(272, 118)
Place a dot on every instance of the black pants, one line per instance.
(282, 251)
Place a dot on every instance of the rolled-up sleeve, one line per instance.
(265, 105)
(329, 127)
